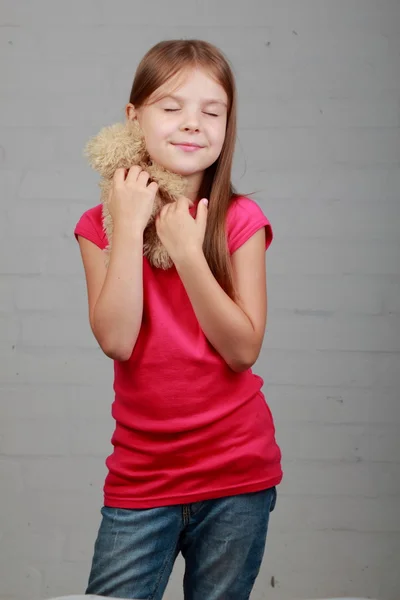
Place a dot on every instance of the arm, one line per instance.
(235, 329)
(115, 294)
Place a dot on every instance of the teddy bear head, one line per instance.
(123, 145)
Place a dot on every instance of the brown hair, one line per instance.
(162, 62)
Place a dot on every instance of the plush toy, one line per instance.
(123, 145)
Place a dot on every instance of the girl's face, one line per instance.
(184, 127)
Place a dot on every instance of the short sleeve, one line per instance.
(245, 218)
(90, 226)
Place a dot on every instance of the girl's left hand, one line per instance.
(180, 233)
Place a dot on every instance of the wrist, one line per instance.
(130, 230)
(190, 258)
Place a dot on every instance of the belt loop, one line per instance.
(185, 514)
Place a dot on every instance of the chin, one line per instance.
(179, 170)
(184, 171)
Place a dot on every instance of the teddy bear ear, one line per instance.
(119, 145)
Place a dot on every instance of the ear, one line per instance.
(130, 112)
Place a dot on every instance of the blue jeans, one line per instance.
(222, 542)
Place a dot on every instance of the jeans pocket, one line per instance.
(274, 495)
(109, 515)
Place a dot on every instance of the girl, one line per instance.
(195, 462)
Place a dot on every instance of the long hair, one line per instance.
(162, 62)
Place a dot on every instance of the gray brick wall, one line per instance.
(319, 142)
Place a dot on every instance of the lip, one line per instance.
(189, 147)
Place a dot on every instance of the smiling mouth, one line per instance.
(188, 147)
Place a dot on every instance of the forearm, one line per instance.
(224, 323)
(118, 312)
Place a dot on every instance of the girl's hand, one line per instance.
(131, 200)
(180, 233)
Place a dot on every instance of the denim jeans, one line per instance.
(222, 542)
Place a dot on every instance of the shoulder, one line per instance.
(90, 226)
(244, 219)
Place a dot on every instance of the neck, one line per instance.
(193, 186)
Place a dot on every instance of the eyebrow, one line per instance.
(180, 99)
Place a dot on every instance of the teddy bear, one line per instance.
(123, 145)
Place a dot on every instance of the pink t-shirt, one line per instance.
(188, 428)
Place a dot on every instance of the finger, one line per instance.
(133, 173)
(202, 212)
(153, 187)
(119, 175)
(163, 212)
(184, 203)
(143, 177)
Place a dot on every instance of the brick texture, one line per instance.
(319, 145)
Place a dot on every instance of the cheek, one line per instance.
(219, 137)
(155, 142)
(151, 127)
(157, 136)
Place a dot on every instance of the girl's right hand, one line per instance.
(131, 200)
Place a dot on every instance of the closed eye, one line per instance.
(176, 109)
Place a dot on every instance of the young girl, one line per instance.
(195, 461)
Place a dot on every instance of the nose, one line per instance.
(190, 122)
(191, 128)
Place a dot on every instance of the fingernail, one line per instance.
(205, 201)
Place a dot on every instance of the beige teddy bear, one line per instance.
(123, 145)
